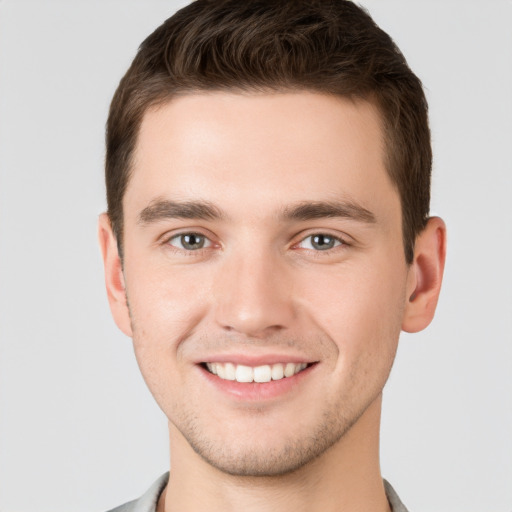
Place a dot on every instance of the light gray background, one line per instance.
(78, 430)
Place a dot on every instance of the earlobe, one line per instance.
(114, 279)
(425, 276)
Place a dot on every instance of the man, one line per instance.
(267, 238)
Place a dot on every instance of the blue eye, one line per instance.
(320, 242)
(189, 241)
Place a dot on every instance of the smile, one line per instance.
(264, 373)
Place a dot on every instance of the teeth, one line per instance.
(289, 370)
(243, 373)
(262, 373)
(221, 372)
(265, 373)
(230, 371)
(277, 371)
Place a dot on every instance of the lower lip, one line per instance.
(257, 391)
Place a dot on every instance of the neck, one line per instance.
(344, 478)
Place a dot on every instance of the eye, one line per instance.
(189, 241)
(320, 242)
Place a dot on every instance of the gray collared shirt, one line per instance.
(149, 500)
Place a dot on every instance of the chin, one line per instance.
(276, 455)
(261, 463)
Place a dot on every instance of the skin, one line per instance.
(261, 289)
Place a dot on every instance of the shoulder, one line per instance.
(394, 500)
(148, 501)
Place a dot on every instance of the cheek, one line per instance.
(165, 307)
(165, 302)
(162, 316)
(359, 307)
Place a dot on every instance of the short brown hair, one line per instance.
(327, 46)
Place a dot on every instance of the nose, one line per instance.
(253, 295)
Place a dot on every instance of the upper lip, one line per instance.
(255, 360)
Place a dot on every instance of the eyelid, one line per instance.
(344, 239)
(166, 238)
(208, 242)
(337, 242)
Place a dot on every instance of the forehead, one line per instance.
(259, 149)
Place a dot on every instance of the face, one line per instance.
(264, 271)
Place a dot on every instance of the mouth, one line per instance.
(259, 374)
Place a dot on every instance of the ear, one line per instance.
(425, 276)
(114, 279)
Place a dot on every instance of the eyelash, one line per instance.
(339, 242)
(188, 252)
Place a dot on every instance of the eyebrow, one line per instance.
(311, 210)
(162, 209)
